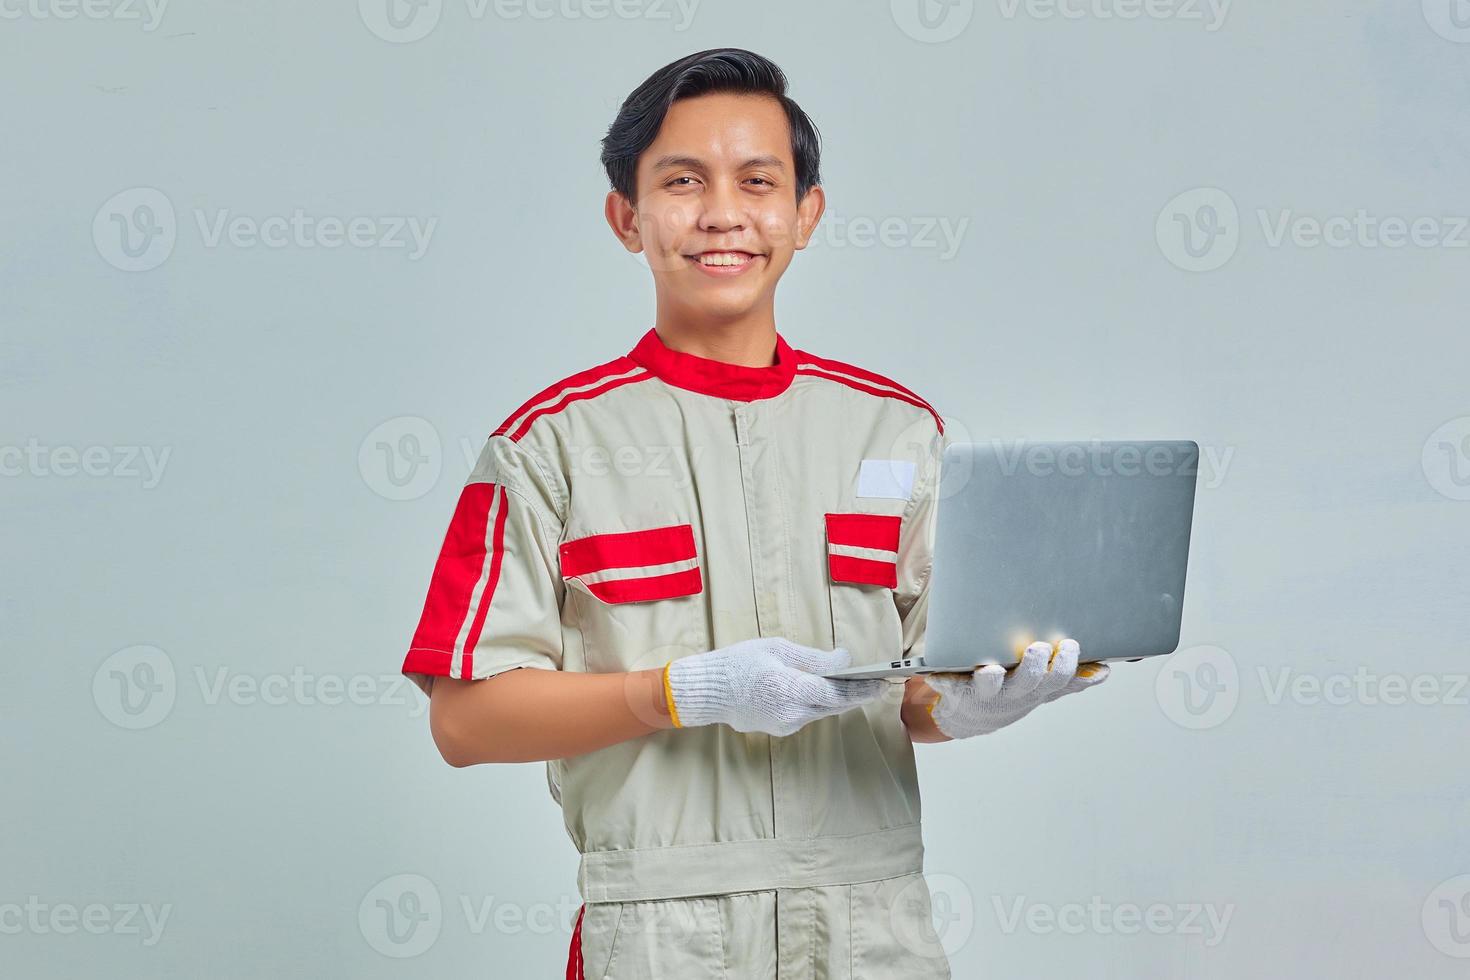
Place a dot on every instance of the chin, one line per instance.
(726, 307)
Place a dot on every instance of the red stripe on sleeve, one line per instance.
(497, 552)
(461, 562)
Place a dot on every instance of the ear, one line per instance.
(808, 213)
(622, 218)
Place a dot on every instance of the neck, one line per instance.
(748, 340)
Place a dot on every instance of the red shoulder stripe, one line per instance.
(576, 396)
(881, 392)
(618, 365)
(804, 358)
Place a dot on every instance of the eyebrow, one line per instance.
(694, 163)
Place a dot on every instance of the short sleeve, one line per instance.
(916, 550)
(494, 599)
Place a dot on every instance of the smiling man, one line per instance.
(737, 813)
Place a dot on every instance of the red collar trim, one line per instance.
(719, 378)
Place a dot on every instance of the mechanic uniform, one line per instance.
(664, 504)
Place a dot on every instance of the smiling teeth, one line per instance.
(725, 258)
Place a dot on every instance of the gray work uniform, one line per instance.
(661, 505)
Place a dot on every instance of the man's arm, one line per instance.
(915, 563)
(531, 715)
(763, 684)
(917, 696)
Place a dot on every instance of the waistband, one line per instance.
(719, 868)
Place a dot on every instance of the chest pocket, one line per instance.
(862, 572)
(639, 593)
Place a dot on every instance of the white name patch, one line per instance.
(886, 478)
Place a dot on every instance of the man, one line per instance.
(679, 542)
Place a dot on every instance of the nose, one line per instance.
(721, 209)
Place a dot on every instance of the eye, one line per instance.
(676, 180)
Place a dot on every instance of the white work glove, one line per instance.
(993, 697)
(766, 684)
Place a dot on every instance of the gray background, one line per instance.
(154, 757)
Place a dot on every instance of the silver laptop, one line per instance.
(1046, 540)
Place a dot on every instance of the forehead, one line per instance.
(722, 128)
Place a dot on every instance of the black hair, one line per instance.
(716, 70)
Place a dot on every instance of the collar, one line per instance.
(711, 377)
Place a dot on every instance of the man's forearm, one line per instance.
(917, 696)
(531, 715)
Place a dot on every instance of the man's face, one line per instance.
(717, 215)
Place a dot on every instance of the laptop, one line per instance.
(1046, 540)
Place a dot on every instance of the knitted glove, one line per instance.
(993, 697)
(766, 684)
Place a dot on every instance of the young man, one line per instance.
(680, 541)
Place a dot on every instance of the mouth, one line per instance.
(724, 263)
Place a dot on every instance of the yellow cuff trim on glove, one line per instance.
(669, 697)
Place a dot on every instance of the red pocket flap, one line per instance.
(863, 548)
(635, 566)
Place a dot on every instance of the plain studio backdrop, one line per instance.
(273, 271)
